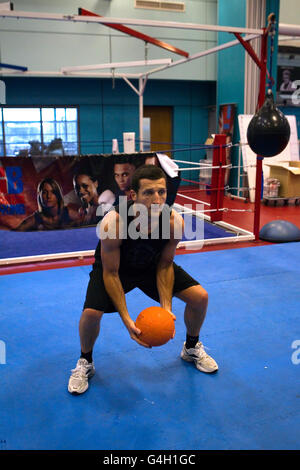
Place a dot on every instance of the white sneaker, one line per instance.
(79, 380)
(202, 360)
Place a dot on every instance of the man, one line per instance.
(171, 170)
(124, 261)
(123, 172)
(287, 83)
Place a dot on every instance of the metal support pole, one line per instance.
(218, 177)
(141, 112)
(259, 159)
(239, 171)
(140, 93)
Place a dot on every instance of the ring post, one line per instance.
(218, 177)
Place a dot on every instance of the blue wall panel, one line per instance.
(118, 119)
(91, 129)
(118, 92)
(172, 93)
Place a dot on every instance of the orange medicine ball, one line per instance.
(156, 325)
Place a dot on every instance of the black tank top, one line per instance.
(143, 253)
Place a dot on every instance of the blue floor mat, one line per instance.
(151, 399)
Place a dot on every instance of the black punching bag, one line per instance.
(269, 131)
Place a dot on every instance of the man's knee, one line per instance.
(92, 314)
(199, 297)
(195, 297)
(204, 294)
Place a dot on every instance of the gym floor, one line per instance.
(144, 399)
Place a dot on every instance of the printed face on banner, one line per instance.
(288, 85)
(86, 189)
(123, 173)
(49, 193)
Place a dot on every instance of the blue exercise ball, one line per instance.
(280, 231)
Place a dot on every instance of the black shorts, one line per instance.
(98, 299)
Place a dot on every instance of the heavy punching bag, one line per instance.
(269, 131)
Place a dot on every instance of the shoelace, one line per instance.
(202, 350)
(79, 371)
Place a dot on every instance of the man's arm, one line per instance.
(165, 270)
(110, 256)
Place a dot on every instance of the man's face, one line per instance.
(123, 174)
(152, 194)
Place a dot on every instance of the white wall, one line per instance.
(289, 13)
(50, 45)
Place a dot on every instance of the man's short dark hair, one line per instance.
(150, 172)
(122, 159)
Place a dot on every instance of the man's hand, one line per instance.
(169, 309)
(174, 318)
(135, 332)
(172, 315)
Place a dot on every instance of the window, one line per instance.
(39, 131)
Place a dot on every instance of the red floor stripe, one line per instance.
(45, 265)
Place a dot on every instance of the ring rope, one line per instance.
(222, 209)
(193, 199)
